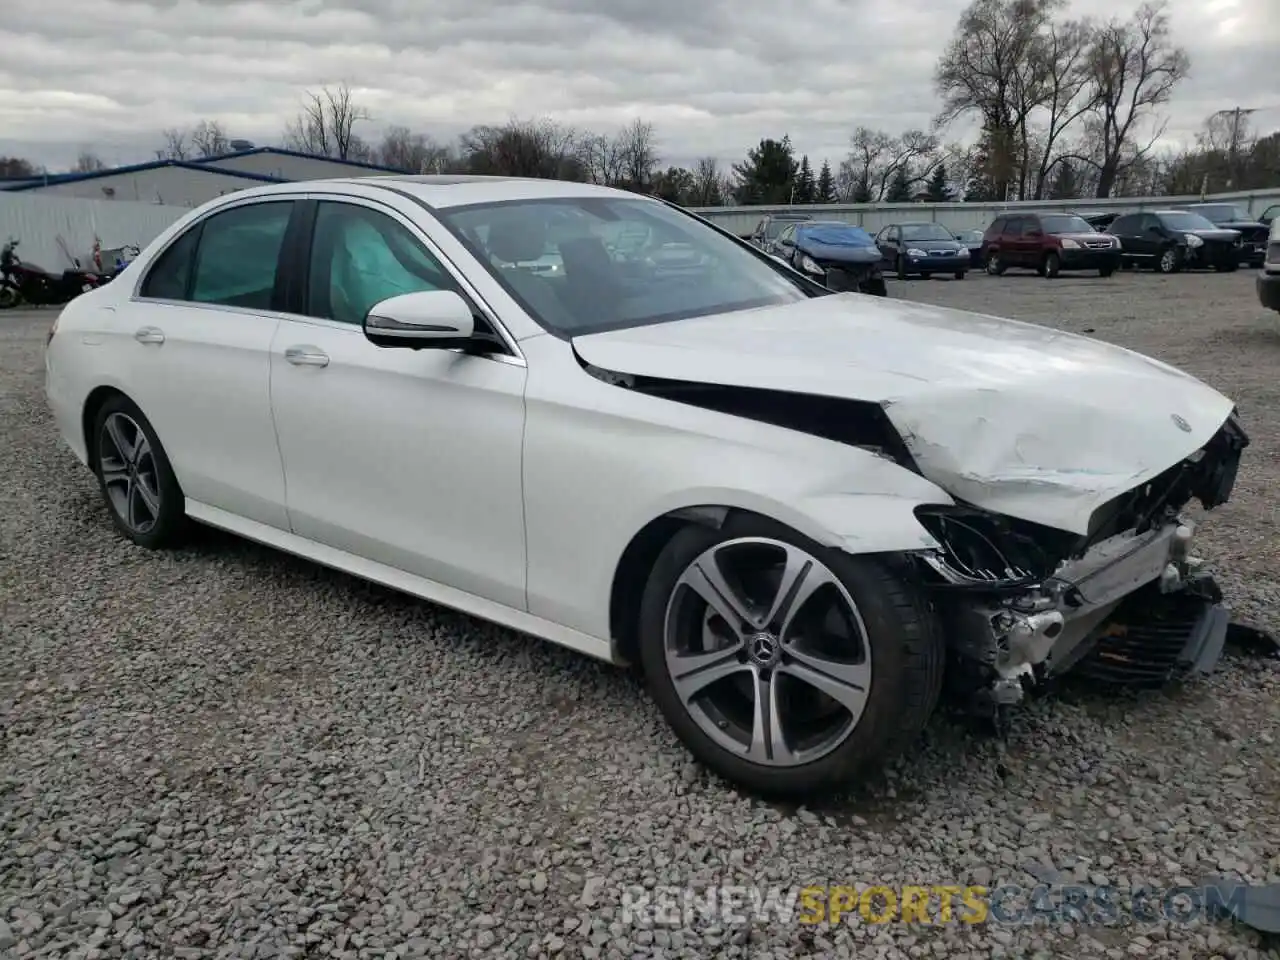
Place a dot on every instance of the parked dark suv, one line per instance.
(1048, 243)
(1173, 240)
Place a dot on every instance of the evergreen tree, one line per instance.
(939, 190)
(899, 187)
(806, 186)
(768, 174)
(826, 186)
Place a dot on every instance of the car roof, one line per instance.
(447, 190)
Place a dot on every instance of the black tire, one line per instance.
(1169, 261)
(1052, 265)
(1106, 271)
(960, 274)
(904, 642)
(995, 266)
(901, 267)
(170, 523)
(9, 297)
(1227, 267)
(926, 276)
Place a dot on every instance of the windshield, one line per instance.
(1221, 212)
(1065, 223)
(1185, 221)
(581, 265)
(970, 236)
(925, 231)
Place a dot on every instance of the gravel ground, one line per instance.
(226, 752)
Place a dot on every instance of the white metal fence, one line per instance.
(53, 230)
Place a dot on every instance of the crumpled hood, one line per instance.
(1220, 233)
(1011, 417)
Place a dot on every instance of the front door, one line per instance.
(410, 458)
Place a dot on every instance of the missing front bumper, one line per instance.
(1155, 637)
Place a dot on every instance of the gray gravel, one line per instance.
(226, 752)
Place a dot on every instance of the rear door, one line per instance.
(197, 355)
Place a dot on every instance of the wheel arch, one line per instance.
(89, 412)
(874, 524)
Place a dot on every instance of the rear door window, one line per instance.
(239, 255)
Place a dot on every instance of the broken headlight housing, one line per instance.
(979, 549)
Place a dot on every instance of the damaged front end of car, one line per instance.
(1023, 603)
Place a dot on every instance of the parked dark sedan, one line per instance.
(836, 254)
(1228, 216)
(1173, 240)
(922, 248)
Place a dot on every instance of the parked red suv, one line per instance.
(1048, 243)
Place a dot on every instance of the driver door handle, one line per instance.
(149, 335)
(307, 356)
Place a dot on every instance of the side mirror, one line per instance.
(432, 318)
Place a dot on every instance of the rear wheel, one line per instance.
(1052, 265)
(783, 665)
(8, 297)
(134, 475)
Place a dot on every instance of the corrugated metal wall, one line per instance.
(40, 223)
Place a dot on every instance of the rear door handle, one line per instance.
(149, 335)
(307, 357)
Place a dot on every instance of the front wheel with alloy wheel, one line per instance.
(785, 666)
(9, 297)
(995, 266)
(1169, 261)
(1052, 265)
(135, 477)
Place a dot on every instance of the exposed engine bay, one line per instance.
(1021, 602)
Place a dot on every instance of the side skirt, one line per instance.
(396, 579)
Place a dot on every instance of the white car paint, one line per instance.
(1009, 416)
(510, 487)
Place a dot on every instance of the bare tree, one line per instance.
(88, 162)
(915, 154)
(1134, 67)
(208, 139)
(402, 149)
(604, 160)
(638, 154)
(710, 184)
(858, 171)
(176, 146)
(16, 167)
(326, 124)
(1068, 93)
(525, 148)
(993, 67)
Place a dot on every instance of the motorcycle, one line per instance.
(21, 283)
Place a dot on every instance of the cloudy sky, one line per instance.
(714, 76)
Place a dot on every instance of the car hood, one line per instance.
(1011, 417)
(934, 244)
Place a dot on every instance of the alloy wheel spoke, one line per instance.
(845, 683)
(691, 673)
(125, 449)
(149, 499)
(706, 580)
(114, 472)
(802, 577)
(768, 739)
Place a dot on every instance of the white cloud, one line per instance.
(714, 76)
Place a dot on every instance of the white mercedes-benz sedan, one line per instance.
(596, 418)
